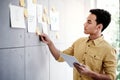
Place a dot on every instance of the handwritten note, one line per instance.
(17, 16)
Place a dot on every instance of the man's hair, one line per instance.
(102, 17)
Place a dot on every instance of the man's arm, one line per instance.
(51, 46)
(54, 50)
(82, 69)
(98, 76)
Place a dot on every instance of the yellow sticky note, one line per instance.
(38, 31)
(34, 1)
(45, 10)
(44, 18)
(48, 20)
(57, 35)
(22, 3)
(25, 13)
(53, 9)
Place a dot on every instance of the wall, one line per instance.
(71, 16)
(24, 57)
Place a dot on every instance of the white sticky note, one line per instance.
(39, 13)
(17, 16)
(45, 28)
(54, 20)
(32, 22)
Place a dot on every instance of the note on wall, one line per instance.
(29, 2)
(17, 16)
(54, 20)
(34, 1)
(39, 13)
(32, 24)
(25, 13)
(45, 28)
(22, 3)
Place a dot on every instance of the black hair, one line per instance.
(102, 17)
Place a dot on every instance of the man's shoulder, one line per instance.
(107, 45)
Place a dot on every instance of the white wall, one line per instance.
(72, 16)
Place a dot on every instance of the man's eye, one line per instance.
(89, 22)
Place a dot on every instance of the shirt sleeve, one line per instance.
(110, 64)
(68, 51)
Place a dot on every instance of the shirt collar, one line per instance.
(96, 41)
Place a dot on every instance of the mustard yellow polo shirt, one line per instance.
(97, 55)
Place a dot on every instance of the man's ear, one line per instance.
(100, 26)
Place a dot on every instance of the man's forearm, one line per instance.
(97, 76)
(54, 50)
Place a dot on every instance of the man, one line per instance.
(98, 58)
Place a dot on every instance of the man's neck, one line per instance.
(93, 37)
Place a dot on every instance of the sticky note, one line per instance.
(48, 20)
(22, 3)
(25, 13)
(57, 35)
(38, 31)
(44, 19)
(45, 10)
(53, 9)
(34, 1)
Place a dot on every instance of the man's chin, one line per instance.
(86, 32)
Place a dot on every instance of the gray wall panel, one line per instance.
(12, 64)
(31, 39)
(31, 61)
(37, 63)
(9, 37)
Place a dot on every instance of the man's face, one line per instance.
(90, 26)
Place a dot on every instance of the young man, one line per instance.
(96, 55)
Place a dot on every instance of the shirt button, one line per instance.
(88, 45)
(83, 60)
(94, 56)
